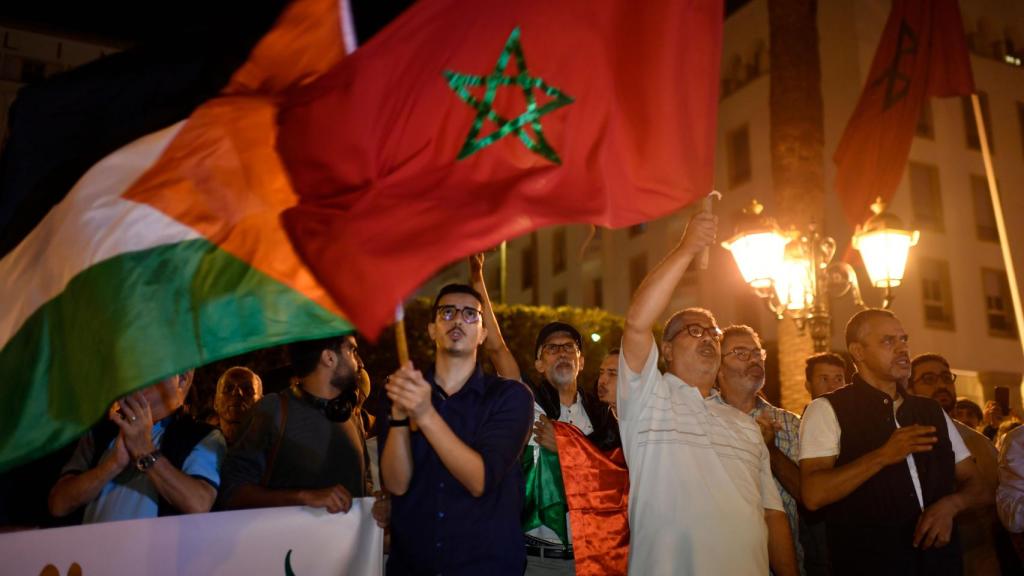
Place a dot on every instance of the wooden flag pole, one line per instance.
(997, 207)
(400, 341)
(705, 206)
(403, 346)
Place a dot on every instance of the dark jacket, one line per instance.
(871, 530)
(606, 429)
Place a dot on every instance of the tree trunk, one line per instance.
(797, 139)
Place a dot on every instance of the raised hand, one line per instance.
(700, 232)
(476, 265)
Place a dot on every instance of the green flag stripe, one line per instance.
(130, 321)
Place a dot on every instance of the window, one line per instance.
(926, 197)
(597, 292)
(925, 123)
(561, 297)
(998, 306)
(738, 154)
(984, 216)
(936, 293)
(528, 259)
(558, 251)
(637, 271)
(971, 125)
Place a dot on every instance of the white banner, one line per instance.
(292, 541)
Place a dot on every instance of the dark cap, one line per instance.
(553, 328)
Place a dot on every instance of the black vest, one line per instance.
(183, 433)
(871, 530)
(606, 428)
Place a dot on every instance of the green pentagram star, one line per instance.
(460, 84)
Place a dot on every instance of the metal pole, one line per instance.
(997, 207)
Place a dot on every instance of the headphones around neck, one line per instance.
(338, 409)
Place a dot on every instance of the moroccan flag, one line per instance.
(922, 53)
(597, 491)
(167, 254)
(463, 124)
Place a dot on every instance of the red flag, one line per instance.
(597, 492)
(463, 124)
(922, 53)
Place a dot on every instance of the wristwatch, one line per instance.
(399, 423)
(144, 463)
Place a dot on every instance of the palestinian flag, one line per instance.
(167, 253)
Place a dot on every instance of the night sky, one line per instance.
(127, 22)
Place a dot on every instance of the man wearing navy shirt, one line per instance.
(456, 480)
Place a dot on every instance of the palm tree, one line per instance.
(797, 137)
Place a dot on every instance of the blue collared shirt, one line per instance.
(437, 526)
(131, 494)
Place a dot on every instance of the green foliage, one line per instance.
(519, 326)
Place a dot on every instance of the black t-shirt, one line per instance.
(315, 452)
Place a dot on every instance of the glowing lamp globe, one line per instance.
(758, 247)
(884, 246)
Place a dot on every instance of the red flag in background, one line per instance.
(922, 53)
(463, 124)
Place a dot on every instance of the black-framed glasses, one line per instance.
(697, 331)
(743, 354)
(932, 378)
(552, 349)
(470, 315)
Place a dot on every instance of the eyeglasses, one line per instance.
(744, 354)
(470, 315)
(698, 331)
(552, 349)
(931, 378)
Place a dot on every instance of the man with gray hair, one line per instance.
(702, 498)
(740, 380)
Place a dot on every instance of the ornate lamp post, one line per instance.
(794, 274)
(884, 247)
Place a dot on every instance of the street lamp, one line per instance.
(794, 274)
(884, 245)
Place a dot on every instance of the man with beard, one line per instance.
(740, 380)
(930, 377)
(456, 481)
(301, 447)
(558, 354)
(891, 467)
(238, 388)
(701, 486)
(984, 543)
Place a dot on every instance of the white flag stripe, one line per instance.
(91, 224)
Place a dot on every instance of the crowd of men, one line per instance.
(884, 473)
